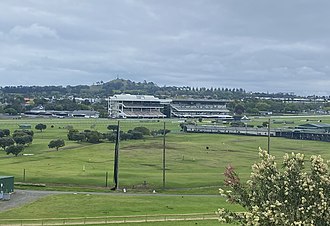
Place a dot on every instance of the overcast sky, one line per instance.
(257, 45)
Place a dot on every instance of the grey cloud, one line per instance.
(34, 30)
(256, 45)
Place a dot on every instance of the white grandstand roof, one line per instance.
(202, 100)
(129, 97)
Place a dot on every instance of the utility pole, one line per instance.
(268, 150)
(164, 155)
(116, 163)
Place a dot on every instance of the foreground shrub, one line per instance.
(292, 196)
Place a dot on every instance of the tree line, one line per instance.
(63, 98)
(93, 136)
(16, 142)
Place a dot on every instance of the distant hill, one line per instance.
(105, 89)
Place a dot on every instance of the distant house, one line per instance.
(245, 119)
(28, 101)
(265, 112)
(85, 114)
(36, 111)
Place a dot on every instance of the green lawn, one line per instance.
(189, 164)
(92, 205)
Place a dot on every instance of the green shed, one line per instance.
(25, 126)
(6, 184)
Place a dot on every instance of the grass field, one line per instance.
(93, 205)
(191, 168)
(189, 165)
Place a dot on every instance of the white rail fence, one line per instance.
(108, 219)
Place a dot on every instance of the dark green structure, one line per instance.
(319, 127)
(25, 126)
(6, 184)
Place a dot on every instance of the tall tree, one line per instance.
(56, 144)
(40, 127)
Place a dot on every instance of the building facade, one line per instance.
(196, 108)
(136, 106)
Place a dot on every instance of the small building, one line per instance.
(85, 114)
(6, 185)
(25, 126)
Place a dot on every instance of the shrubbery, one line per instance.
(291, 196)
(92, 136)
(16, 143)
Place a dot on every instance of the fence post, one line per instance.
(23, 175)
(106, 179)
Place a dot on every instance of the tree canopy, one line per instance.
(14, 149)
(40, 127)
(56, 144)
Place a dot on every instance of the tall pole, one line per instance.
(268, 150)
(164, 156)
(116, 164)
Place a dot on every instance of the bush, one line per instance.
(72, 133)
(143, 130)
(14, 149)
(93, 137)
(23, 140)
(136, 135)
(4, 132)
(22, 132)
(290, 196)
(155, 133)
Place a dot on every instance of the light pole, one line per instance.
(268, 150)
(164, 156)
(116, 164)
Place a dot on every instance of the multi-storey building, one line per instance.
(136, 106)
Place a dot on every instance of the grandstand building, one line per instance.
(136, 106)
(196, 108)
